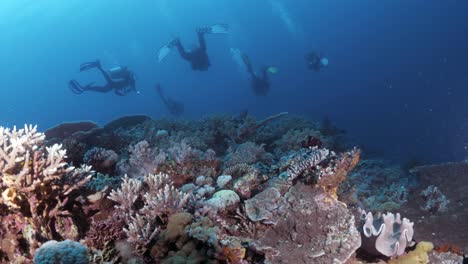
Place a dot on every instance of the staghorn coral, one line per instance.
(386, 234)
(40, 191)
(146, 205)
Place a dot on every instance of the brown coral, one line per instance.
(335, 173)
(40, 188)
(316, 229)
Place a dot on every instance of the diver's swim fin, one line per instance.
(89, 65)
(272, 69)
(218, 29)
(75, 87)
(165, 50)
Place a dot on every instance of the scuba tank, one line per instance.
(118, 72)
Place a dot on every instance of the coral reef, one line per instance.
(222, 189)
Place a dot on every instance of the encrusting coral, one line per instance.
(417, 256)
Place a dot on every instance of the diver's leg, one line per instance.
(75, 87)
(265, 74)
(201, 40)
(247, 63)
(99, 89)
(181, 50)
(105, 74)
(89, 65)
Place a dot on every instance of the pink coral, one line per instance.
(158, 199)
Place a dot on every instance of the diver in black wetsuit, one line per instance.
(119, 79)
(174, 107)
(198, 56)
(315, 61)
(260, 84)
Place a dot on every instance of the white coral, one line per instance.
(393, 233)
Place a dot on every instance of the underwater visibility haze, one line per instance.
(194, 130)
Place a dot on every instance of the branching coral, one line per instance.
(182, 162)
(146, 206)
(38, 186)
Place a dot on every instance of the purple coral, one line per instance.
(159, 200)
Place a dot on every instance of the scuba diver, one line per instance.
(120, 79)
(315, 61)
(175, 108)
(260, 84)
(197, 57)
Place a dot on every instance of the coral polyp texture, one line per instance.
(223, 189)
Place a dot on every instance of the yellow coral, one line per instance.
(417, 256)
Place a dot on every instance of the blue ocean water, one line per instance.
(397, 79)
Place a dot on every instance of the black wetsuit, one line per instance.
(197, 57)
(260, 84)
(121, 86)
(313, 61)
